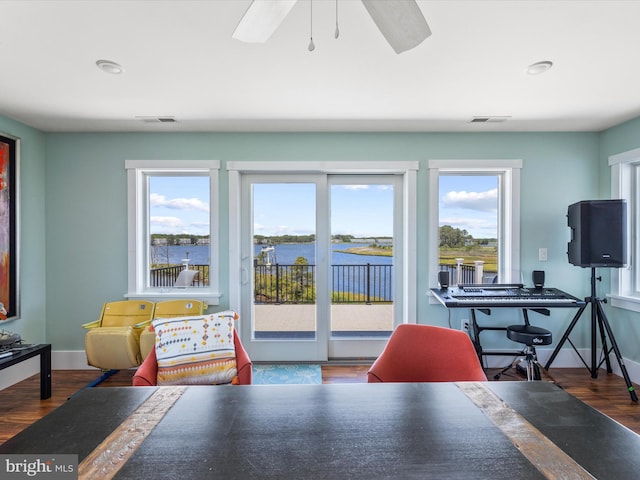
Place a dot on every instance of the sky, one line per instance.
(470, 203)
(180, 205)
(359, 210)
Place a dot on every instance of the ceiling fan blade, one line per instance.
(261, 19)
(400, 21)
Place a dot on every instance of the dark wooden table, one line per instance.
(25, 352)
(336, 431)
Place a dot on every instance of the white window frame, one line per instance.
(408, 169)
(625, 184)
(508, 212)
(138, 211)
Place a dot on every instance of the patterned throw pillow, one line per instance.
(196, 350)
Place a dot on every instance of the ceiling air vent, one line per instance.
(157, 119)
(494, 119)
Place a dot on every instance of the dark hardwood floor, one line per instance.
(20, 404)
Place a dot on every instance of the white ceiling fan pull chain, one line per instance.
(337, 34)
(311, 45)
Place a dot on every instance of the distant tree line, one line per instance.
(455, 238)
(277, 239)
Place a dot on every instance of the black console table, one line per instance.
(25, 352)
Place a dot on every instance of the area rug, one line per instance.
(287, 374)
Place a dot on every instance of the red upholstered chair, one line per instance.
(147, 373)
(424, 353)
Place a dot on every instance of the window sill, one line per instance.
(625, 302)
(210, 298)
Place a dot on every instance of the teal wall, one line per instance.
(86, 199)
(625, 324)
(32, 325)
(74, 210)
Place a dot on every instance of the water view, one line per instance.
(355, 278)
(285, 254)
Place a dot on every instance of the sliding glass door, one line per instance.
(322, 264)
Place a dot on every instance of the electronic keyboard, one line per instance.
(504, 295)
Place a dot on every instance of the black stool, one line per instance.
(531, 337)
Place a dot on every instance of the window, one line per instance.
(173, 229)
(625, 182)
(497, 191)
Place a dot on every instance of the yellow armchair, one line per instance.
(113, 341)
(167, 309)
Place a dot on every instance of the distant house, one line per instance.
(379, 241)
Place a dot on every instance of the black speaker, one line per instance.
(443, 278)
(538, 278)
(598, 233)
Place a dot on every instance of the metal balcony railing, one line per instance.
(280, 284)
(166, 276)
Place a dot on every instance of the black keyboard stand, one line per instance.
(477, 329)
(598, 321)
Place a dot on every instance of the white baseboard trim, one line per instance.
(77, 360)
(633, 368)
(70, 360)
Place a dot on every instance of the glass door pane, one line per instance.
(282, 275)
(284, 260)
(362, 258)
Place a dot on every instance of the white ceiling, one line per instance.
(181, 61)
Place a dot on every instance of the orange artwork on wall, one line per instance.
(8, 247)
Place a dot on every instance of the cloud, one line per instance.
(355, 187)
(478, 227)
(158, 200)
(478, 201)
(168, 222)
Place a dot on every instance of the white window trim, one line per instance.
(510, 218)
(406, 168)
(624, 292)
(137, 205)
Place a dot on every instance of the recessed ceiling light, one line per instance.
(109, 67)
(539, 67)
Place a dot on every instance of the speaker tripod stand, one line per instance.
(598, 322)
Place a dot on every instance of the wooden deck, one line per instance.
(344, 317)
